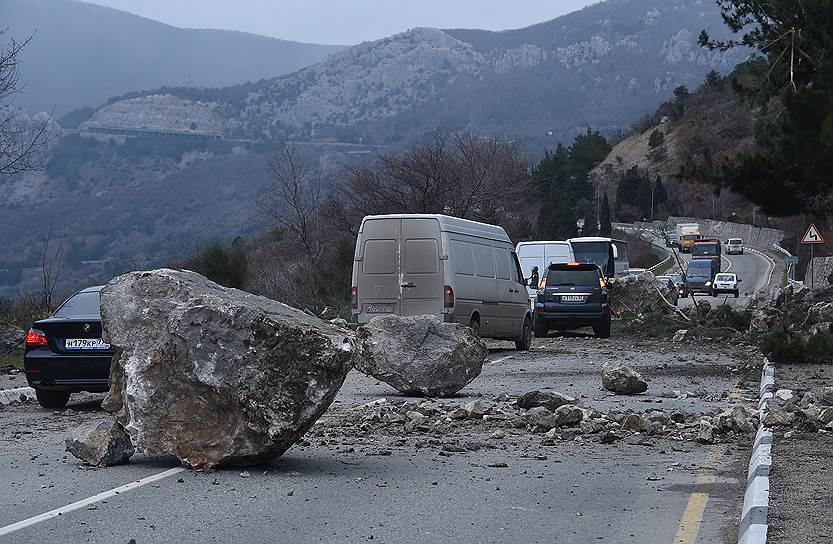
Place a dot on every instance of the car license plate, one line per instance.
(85, 343)
(378, 308)
(572, 298)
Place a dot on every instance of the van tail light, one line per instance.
(542, 284)
(448, 297)
(36, 339)
(354, 298)
(602, 283)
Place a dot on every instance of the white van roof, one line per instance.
(451, 224)
(536, 242)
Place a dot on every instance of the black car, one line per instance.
(574, 295)
(64, 354)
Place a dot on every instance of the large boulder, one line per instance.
(636, 295)
(622, 380)
(216, 376)
(102, 443)
(10, 337)
(421, 355)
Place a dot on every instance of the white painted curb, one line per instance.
(753, 521)
(8, 396)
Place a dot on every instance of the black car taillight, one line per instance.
(354, 298)
(448, 297)
(36, 339)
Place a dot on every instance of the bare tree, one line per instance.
(458, 174)
(51, 263)
(20, 144)
(292, 200)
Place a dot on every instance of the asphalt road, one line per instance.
(752, 268)
(398, 489)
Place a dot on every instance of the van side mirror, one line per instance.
(739, 280)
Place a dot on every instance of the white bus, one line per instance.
(610, 255)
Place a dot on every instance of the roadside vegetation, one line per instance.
(790, 347)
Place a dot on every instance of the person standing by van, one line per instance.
(534, 278)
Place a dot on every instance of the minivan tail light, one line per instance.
(448, 297)
(35, 339)
(354, 298)
(602, 283)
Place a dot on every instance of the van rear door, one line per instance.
(422, 274)
(400, 270)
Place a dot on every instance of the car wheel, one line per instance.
(602, 329)
(52, 399)
(737, 294)
(475, 326)
(540, 328)
(525, 341)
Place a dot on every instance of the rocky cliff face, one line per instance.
(601, 66)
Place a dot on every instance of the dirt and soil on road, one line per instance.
(802, 468)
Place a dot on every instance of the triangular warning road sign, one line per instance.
(813, 236)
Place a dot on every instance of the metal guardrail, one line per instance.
(790, 261)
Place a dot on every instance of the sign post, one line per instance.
(811, 238)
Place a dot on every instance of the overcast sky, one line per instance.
(345, 21)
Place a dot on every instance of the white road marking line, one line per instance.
(496, 361)
(728, 261)
(85, 502)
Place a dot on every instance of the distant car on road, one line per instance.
(668, 280)
(734, 246)
(573, 295)
(672, 239)
(64, 353)
(699, 276)
(679, 282)
(726, 283)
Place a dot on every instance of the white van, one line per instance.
(458, 270)
(542, 255)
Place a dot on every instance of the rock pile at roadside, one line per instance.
(456, 428)
(11, 337)
(421, 355)
(216, 376)
(801, 410)
(794, 307)
(635, 296)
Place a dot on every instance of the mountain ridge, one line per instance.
(114, 52)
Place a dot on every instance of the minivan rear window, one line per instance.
(379, 257)
(81, 305)
(736, 241)
(573, 277)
